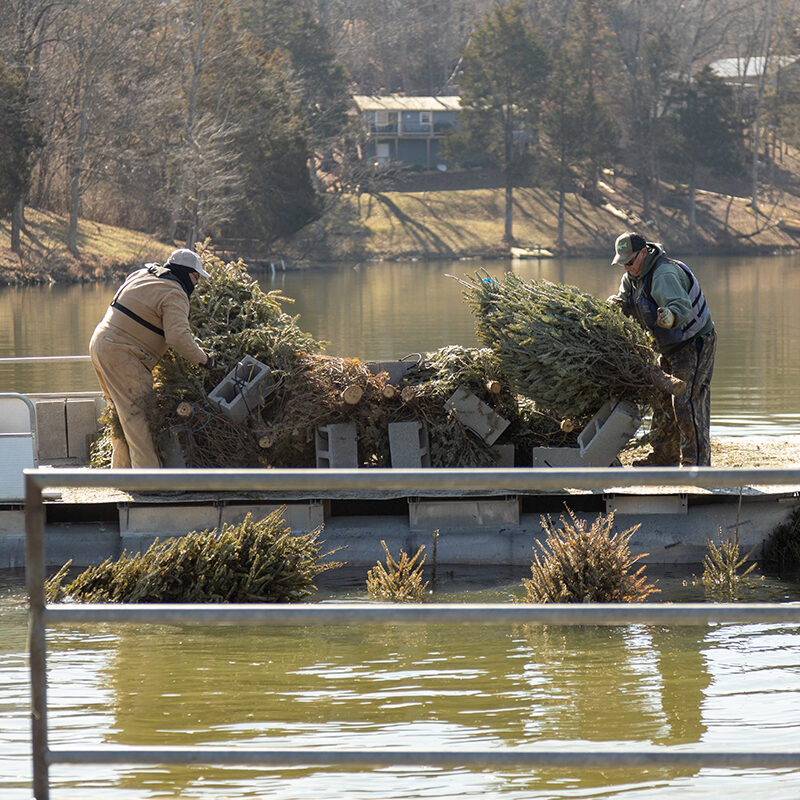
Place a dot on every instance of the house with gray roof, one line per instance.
(405, 130)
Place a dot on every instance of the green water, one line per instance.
(410, 687)
(726, 687)
(384, 311)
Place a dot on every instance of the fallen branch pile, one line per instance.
(233, 317)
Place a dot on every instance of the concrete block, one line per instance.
(647, 504)
(397, 370)
(505, 455)
(609, 430)
(81, 426)
(300, 517)
(337, 445)
(477, 415)
(408, 444)
(167, 519)
(243, 389)
(556, 457)
(51, 428)
(467, 513)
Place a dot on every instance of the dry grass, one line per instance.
(106, 251)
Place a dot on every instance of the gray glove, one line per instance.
(665, 319)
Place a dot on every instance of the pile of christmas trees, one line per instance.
(565, 349)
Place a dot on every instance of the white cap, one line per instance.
(187, 258)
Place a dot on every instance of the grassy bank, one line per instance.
(429, 218)
(470, 222)
(106, 251)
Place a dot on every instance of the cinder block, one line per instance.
(557, 457)
(397, 370)
(408, 444)
(337, 445)
(469, 513)
(477, 415)
(609, 430)
(243, 389)
(81, 426)
(505, 455)
(51, 429)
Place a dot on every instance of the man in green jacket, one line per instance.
(664, 296)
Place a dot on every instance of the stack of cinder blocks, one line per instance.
(66, 425)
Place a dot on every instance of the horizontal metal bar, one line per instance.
(437, 758)
(41, 359)
(413, 480)
(425, 613)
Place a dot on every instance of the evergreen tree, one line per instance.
(703, 132)
(272, 141)
(505, 66)
(581, 131)
(20, 137)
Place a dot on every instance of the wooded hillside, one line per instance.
(183, 119)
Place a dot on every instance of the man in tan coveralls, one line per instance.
(149, 313)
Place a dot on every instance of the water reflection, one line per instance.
(387, 310)
(422, 687)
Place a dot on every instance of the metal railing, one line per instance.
(43, 359)
(415, 481)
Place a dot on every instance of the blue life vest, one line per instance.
(646, 310)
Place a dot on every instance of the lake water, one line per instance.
(409, 687)
(724, 687)
(384, 311)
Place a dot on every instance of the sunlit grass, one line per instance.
(46, 232)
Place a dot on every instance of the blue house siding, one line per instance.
(413, 152)
(406, 130)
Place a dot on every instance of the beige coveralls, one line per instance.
(124, 353)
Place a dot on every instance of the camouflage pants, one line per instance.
(681, 424)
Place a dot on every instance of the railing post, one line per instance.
(35, 578)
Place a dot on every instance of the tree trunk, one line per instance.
(692, 208)
(508, 236)
(17, 225)
(560, 230)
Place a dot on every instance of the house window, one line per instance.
(425, 117)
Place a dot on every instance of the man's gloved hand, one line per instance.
(209, 363)
(666, 319)
(614, 300)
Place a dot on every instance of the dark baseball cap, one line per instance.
(626, 247)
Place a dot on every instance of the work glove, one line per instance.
(614, 300)
(666, 319)
(210, 363)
